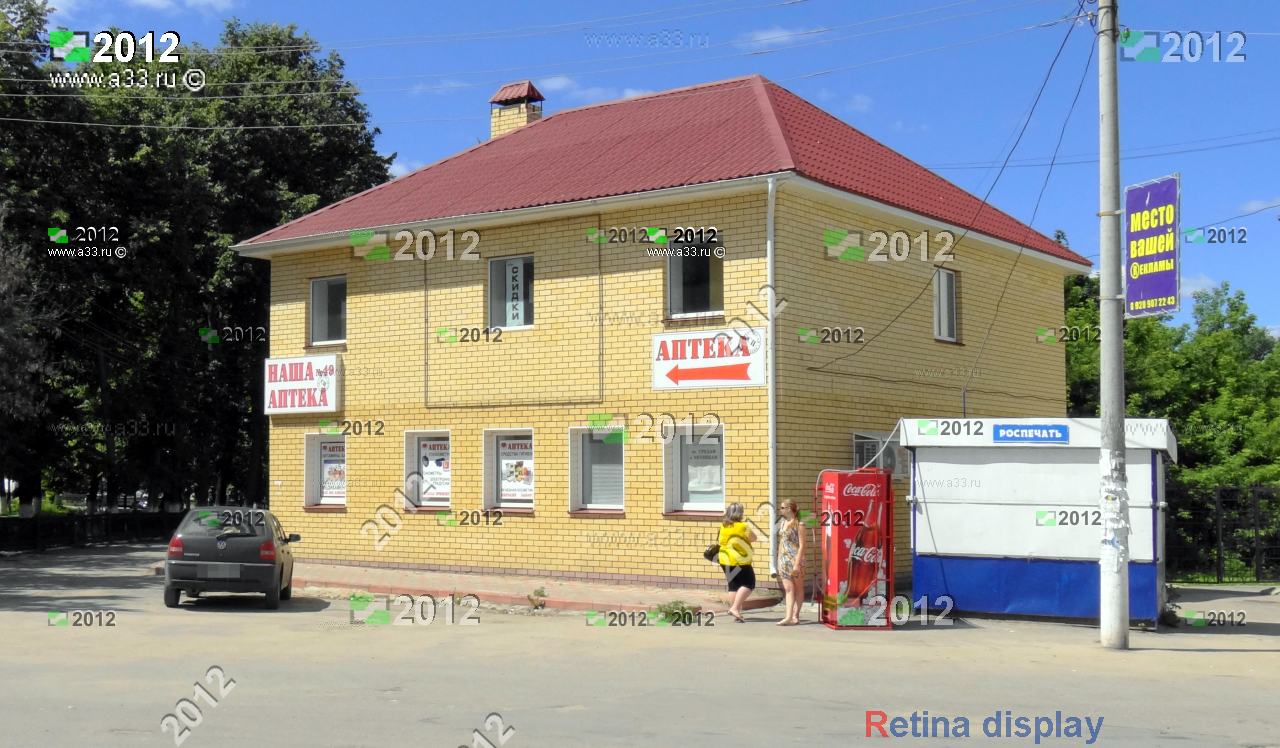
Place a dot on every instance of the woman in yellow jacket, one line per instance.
(735, 557)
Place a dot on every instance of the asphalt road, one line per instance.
(304, 676)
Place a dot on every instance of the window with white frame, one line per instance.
(876, 449)
(595, 468)
(511, 292)
(328, 310)
(428, 468)
(693, 463)
(944, 305)
(509, 473)
(695, 285)
(325, 466)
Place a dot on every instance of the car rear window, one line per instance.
(213, 522)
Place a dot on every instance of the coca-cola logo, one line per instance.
(866, 554)
(866, 489)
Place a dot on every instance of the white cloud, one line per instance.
(1193, 283)
(1253, 205)
(400, 168)
(573, 90)
(218, 5)
(860, 103)
(774, 37)
(1274, 330)
(442, 86)
(152, 4)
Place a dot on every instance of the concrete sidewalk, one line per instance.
(502, 589)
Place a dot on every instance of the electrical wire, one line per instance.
(417, 121)
(1030, 222)
(561, 72)
(982, 206)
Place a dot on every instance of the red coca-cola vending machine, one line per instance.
(855, 519)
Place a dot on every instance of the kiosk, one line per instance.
(1005, 513)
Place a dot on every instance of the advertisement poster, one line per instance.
(857, 535)
(333, 471)
(705, 472)
(433, 452)
(515, 293)
(1151, 261)
(515, 463)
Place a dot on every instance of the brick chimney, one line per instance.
(514, 106)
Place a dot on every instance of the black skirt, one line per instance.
(739, 577)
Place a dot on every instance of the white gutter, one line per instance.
(334, 239)
(771, 382)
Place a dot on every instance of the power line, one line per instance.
(596, 60)
(1034, 212)
(1043, 160)
(1132, 157)
(676, 95)
(982, 206)
(1221, 221)
(527, 31)
(560, 71)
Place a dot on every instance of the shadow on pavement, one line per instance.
(50, 580)
(218, 602)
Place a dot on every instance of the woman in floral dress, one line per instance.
(791, 561)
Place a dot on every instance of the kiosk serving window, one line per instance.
(694, 466)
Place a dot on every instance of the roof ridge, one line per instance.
(778, 133)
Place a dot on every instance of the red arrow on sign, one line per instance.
(727, 372)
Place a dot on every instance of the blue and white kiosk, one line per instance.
(1005, 517)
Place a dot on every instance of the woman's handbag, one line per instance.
(713, 551)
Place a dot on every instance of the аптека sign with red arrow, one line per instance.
(712, 358)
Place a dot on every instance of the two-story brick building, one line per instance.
(609, 268)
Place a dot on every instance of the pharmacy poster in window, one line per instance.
(333, 471)
(704, 472)
(515, 463)
(433, 452)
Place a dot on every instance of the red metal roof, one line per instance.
(519, 91)
(708, 133)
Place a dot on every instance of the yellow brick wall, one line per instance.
(596, 308)
(904, 372)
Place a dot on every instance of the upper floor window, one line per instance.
(944, 305)
(328, 310)
(695, 285)
(511, 292)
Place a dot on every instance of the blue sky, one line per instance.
(958, 105)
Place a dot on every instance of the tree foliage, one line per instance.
(107, 386)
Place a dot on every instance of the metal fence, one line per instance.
(1227, 534)
(44, 531)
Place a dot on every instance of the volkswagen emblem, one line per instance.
(222, 545)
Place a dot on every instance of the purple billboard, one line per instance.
(1151, 266)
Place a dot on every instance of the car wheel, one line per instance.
(273, 596)
(171, 595)
(287, 592)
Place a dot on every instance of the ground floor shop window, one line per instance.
(694, 467)
(509, 469)
(595, 468)
(326, 471)
(428, 468)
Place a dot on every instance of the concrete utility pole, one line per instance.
(1114, 551)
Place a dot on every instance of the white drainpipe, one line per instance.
(771, 383)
